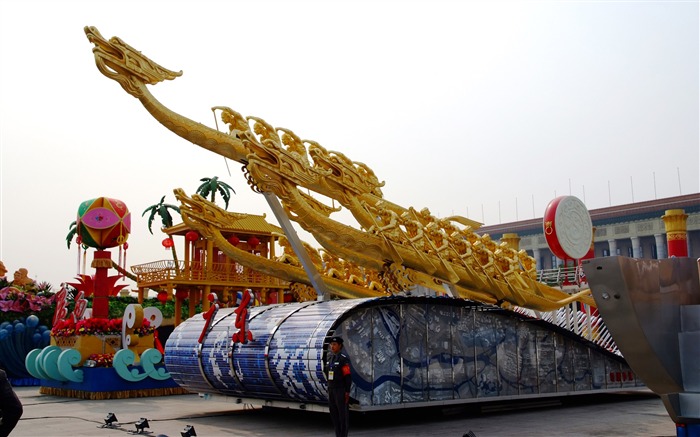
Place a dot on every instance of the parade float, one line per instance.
(91, 355)
(432, 312)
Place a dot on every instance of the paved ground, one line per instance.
(628, 414)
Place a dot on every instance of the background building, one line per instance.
(635, 230)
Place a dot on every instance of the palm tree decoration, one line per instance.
(161, 209)
(72, 230)
(211, 186)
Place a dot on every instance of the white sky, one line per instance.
(467, 108)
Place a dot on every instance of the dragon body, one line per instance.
(408, 246)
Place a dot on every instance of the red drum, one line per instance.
(568, 228)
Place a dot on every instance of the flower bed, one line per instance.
(97, 336)
(16, 302)
(93, 326)
(101, 360)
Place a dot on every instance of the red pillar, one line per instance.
(676, 232)
(102, 262)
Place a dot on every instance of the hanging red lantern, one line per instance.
(162, 297)
(168, 243)
(253, 241)
(192, 236)
(234, 240)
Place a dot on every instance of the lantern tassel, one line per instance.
(126, 246)
(120, 262)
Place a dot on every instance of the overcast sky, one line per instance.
(483, 109)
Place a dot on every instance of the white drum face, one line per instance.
(574, 228)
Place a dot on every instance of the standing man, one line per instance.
(10, 406)
(339, 380)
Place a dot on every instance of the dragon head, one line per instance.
(126, 65)
(202, 215)
(198, 213)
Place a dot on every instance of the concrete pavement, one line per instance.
(626, 414)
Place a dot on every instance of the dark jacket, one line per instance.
(338, 371)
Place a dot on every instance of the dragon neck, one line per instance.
(192, 131)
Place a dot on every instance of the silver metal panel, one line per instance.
(639, 300)
(690, 405)
(690, 318)
(690, 360)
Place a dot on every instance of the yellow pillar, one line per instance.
(170, 291)
(512, 240)
(193, 302)
(676, 232)
(210, 267)
(205, 298)
(271, 252)
(263, 295)
(188, 255)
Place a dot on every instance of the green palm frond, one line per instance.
(160, 209)
(211, 186)
(73, 229)
(206, 188)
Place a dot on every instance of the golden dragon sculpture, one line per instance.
(409, 246)
(208, 219)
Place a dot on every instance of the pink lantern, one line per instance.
(103, 222)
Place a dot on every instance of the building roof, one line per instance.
(245, 224)
(690, 203)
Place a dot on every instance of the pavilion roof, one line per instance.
(244, 224)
